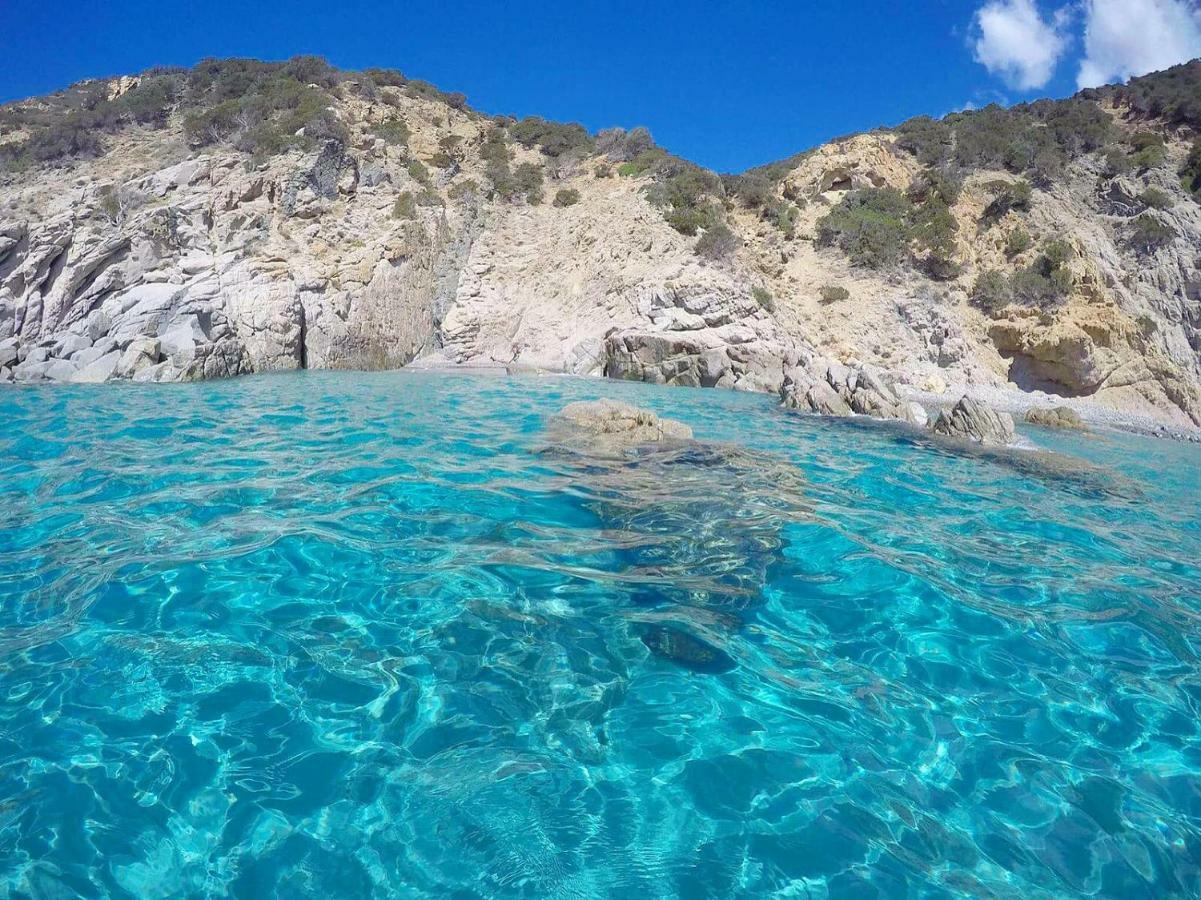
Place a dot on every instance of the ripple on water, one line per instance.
(378, 634)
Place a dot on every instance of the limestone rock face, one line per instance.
(973, 420)
(1055, 417)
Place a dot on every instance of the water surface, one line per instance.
(351, 635)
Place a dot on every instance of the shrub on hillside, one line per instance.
(386, 77)
(1190, 172)
(1017, 242)
(1154, 198)
(405, 206)
(1173, 95)
(783, 215)
(833, 293)
(685, 196)
(527, 181)
(567, 197)
(991, 291)
(418, 172)
(394, 131)
(621, 145)
(717, 243)
(763, 297)
(869, 226)
(1148, 234)
(936, 184)
(553, 138)
(1148, 150)
(1006, 196)
(753, 190)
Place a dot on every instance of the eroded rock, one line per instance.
(1055, 417)
(974, 420)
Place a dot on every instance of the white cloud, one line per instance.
(1014, 41)
(1132, 37)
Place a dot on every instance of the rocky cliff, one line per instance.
(394, 225)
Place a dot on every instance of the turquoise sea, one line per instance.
(378, 635)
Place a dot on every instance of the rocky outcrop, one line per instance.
(830, 388)
(974, 420)
(1055, 417)
(614, 421)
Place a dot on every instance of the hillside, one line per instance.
(243, 216)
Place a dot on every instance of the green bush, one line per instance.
(928, 139)
(394, 131)
(717, 243)
(1017, 242)
(151, 100)
(1006, 196)
(567, 197)
(869, 226)
(763, 297)
(936, 184)
(991, 291)
(553, 138)
(527, 181)
(418, 172)
(464, 188)
(1047, 279)
(429, 198)
(933, 228)
(405, 206)
(1190, 172)
(1117, 162)
(1148, 150)
(783, 215)
(752, 189)
(386, 77)
(1148, 234)
(833, 293)
(685, 196)
(1154, 198)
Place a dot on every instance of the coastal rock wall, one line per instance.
(160, 262)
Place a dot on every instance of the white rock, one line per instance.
(100, 370)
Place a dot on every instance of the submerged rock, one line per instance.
(1055, 417)
(622, 422)
(973, 420)
(686, 651)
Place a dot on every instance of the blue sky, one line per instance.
(729, 85)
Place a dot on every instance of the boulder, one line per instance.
(100, 370)
(1055, 417)
(142, 353)
(829, 388)
(973, 420)
(60, 370)
(31, 370)
(611, 419)
(70, 344)
(98, 323)
(8, 352)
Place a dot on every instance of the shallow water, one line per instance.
(371, 635)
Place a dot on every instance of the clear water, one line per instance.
(349, 635)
